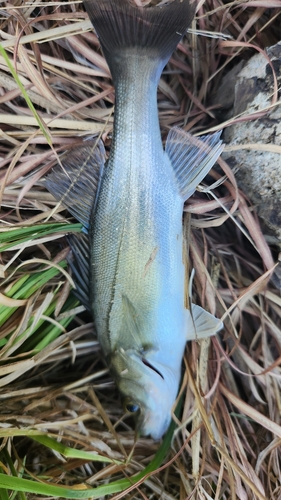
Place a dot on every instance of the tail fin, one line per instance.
(120, 25)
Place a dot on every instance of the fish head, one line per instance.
(148, 390)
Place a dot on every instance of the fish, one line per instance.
(128, 265)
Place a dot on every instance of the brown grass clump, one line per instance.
(54, 383)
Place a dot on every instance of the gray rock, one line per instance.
(258, 171)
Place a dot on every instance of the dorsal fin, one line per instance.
(79, 261)
(76, 184)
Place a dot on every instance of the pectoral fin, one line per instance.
(131, 329)
(76, 183)
(200, 324)
(192, 158)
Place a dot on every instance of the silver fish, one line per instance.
(129, 267)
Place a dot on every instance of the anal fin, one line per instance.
(192, 157)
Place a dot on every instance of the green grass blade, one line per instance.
(44, 488)
(46, 332)
(13, 237)
(17, 285)
(5, 455)
(25, 95)
(4, 492)
(26, 286)
(71, 452)
(25, 485)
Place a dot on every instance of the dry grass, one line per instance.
(53, 379)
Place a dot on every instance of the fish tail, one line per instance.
(121, 25)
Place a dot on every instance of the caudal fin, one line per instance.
(120, 25)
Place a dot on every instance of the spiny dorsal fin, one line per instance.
(76, 184)
(79, 261)
(192, 157)
(120, 24)
(200, 324)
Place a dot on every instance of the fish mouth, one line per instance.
(146, 363)
(154, 427)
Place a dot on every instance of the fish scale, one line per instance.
(131, 260)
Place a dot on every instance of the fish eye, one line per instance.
(130, 406)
